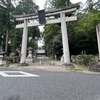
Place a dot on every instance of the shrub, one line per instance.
(12, 54)
(85, 59)
(12, 57)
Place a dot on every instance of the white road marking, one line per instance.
(15, 74)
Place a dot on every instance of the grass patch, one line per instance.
(80, 68)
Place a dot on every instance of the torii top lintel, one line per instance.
(68, 9)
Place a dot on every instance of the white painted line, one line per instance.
(12, 74)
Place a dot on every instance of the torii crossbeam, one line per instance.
(62, 19)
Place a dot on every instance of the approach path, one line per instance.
(42, 63)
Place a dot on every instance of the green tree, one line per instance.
(25, 7)
(52, 33)
(55, 4)
(82, 33)
(6, 23)
(53, 40)
(61, 3)
(97, 5)
(83, 37)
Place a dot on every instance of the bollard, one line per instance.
(40, 62)
(52, 62)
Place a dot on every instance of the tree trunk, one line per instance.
(6, 46)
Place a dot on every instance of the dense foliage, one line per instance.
(10, 37)
(81, 33)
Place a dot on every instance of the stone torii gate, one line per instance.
(49, 20)
(98, 38)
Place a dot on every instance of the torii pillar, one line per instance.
(65, 39)
(24, 42)
(98, 38)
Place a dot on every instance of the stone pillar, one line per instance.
(24, 43)
(98, 38)
(65, 39)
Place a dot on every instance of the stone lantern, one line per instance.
(29, 57)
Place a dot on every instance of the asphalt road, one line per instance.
(50, 86)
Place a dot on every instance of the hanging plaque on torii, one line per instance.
(41, 16)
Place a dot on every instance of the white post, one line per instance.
(98, 38)
(24, 43)
(65, 39)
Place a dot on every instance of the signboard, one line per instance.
(41, 15)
